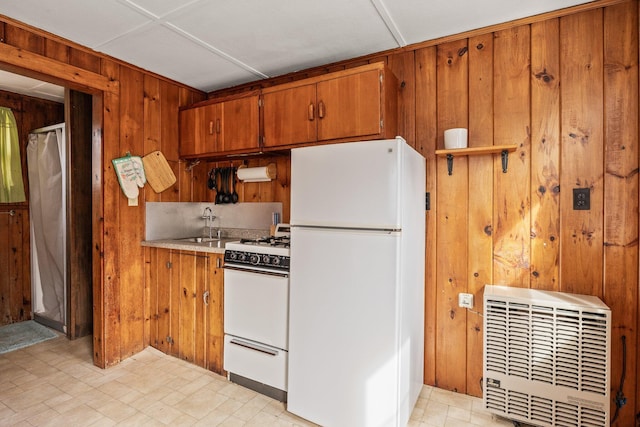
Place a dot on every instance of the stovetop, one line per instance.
(275, 241)
(269, 251)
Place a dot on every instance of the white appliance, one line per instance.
(356, 329)
(546, 357)
(256, 312)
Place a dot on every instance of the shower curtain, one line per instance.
(47, 207)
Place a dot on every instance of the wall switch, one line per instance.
(465, 300)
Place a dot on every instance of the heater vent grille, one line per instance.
(546, 356)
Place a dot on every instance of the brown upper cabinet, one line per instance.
(214, 127)
(357, 103)
(353, 104)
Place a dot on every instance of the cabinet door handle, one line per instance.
(217, 125)
(210, 127)
(205, 297)
(320, 110)
(312, 113)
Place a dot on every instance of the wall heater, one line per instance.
(546, 357)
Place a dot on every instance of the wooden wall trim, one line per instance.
(65, 73)
(83, 50)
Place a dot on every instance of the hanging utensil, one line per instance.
(227, 196)
(234, 194)
(211, 182)
(220, 187)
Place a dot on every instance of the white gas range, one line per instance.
(256, 312)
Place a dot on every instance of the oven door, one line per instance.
(256, 306)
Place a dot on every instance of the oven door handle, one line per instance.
(248, 270)
(254, 347)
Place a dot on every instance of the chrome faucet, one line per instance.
(208, 217)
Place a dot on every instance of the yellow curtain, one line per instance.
(11, 185)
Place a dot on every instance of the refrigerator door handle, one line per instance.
(361, 229)
(254, 347)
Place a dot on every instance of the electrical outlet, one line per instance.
(465, 300)
(581, 199)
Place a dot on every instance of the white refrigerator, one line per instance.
(356, 310)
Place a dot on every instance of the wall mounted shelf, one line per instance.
(504, 151)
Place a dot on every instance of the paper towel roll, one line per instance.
(259, 174)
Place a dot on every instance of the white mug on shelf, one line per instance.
(455, 138)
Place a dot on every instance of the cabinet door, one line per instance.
(350, 106)
(200, 130)
(193, 270)
(209, 128)
(214, 316)
(290, 116)
(160, 299)
(240, 124)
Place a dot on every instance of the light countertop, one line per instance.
(215, 246)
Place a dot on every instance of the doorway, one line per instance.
(75, 317)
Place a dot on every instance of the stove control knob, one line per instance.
(276, 260)
(242, 257)
(265, 259)
(233, 255)
(254, 259)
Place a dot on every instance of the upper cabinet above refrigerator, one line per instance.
(357, 103)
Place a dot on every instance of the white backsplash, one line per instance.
(174, 220)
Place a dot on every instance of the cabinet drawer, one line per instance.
(256, 361)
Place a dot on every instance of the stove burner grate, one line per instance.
(279, 241)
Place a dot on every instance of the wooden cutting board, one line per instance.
(158, 172)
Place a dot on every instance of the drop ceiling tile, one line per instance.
(161, 50)
(420, 20)
(278, 37)
(88, 22)
(160, 8)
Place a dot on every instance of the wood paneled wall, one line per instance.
(15, 273)
(564, 88)
(133, 112)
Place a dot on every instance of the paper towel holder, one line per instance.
(257, 174)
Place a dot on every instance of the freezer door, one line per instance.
(343, 339)
(347, 185)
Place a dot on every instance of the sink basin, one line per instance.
(200, 239)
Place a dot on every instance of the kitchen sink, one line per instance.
(200, 239)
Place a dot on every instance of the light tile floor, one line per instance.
(55, 383)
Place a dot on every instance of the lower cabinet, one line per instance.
(186, 303)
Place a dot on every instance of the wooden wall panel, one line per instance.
(106, 338)
(78, 114)
(452, 220)
(545, 154)
(479, 270)
(426, 140)
(153, 126)
(511, 231)
(620, 196)
(402, 65)
(581, 47)
(5, 262)
(131, 301)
